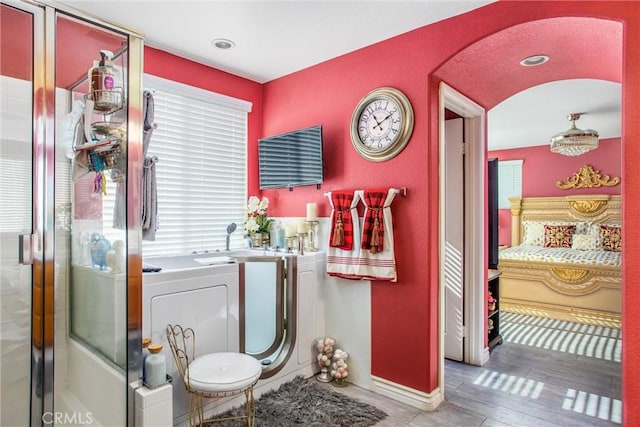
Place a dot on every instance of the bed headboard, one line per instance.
(599, 208)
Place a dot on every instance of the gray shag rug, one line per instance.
(301, 402)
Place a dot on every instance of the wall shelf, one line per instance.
(493, 316)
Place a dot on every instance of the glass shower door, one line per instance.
(16, 207)
(91, 221)
(54, 372)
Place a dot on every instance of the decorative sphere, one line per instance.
(99, 248)
(118, 246)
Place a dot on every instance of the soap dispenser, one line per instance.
(146, 342)
(104, 83)
(155, 367)
(278, 233)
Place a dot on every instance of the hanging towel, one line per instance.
(377, 259)
(344, 239)
(149, 199)
(148, 125)
(120, 207)
(149, 209)
(373, 227)
(342, 219)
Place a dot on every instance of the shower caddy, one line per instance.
(100, 138)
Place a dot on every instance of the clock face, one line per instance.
(381, 124)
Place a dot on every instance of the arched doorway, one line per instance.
(488, 72)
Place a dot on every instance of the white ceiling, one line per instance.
(532, 116)
(276, 38)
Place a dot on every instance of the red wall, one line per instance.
(541, 169)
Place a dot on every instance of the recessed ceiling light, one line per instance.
(224, 44)
(534, 60)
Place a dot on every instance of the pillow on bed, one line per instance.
(585, 242)
(558, 236)
(533, 234)
(611, 238)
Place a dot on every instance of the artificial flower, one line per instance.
(256, 219)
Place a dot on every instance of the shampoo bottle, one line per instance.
(155, 367)
(104, 84)
(279, 236)
(145, 352)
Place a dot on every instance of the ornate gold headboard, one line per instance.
(588, 177)
(599, 208)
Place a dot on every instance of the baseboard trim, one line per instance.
(486, 355)
(417, 399)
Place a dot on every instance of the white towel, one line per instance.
(340, 262)
(380, 265)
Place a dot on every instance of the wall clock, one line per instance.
(381, 124)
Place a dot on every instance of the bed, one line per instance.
(578, 278)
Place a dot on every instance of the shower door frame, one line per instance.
(42, 239)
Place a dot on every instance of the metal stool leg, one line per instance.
(250, 407)
(196, 412)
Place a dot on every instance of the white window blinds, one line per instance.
(16, 156)
(201, 146)
(509, 182)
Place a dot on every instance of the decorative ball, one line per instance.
(99, 248)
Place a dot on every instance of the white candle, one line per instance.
(290, 230)
(311, 212)
(302, 227)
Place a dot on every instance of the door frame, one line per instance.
(475, 349)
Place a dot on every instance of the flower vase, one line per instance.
(324, 376)
(340, 382)
(256, 240)
(324, 348)
(339, 368)
(266, 239)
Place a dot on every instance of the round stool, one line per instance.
(223, 372)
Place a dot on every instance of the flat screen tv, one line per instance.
(291, 159)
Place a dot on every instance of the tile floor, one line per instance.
(527, 383)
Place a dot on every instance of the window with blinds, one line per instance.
(201, 145)
(16, 156)
(509, 182)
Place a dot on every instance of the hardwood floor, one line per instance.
(537, 382)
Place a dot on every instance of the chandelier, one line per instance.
(574, 142)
